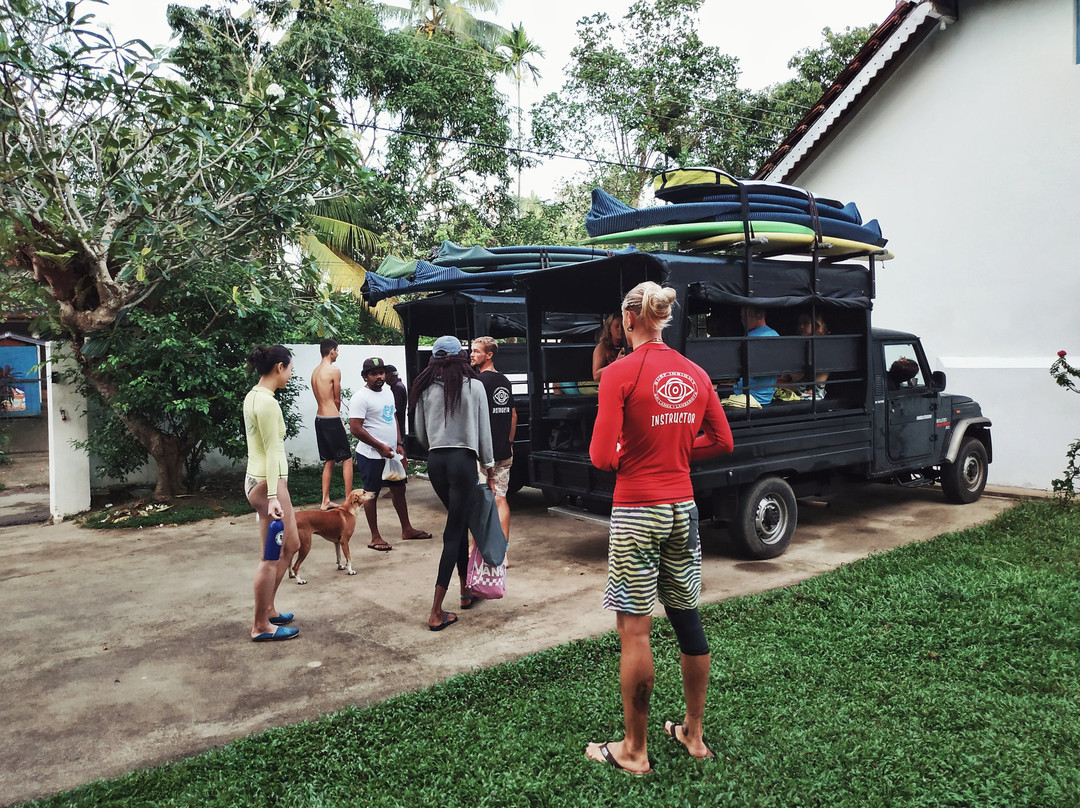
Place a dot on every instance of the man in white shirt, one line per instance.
(372, 422)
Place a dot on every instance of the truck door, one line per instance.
(911, 405)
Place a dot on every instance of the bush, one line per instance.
(1066, 375)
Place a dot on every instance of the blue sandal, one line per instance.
(280, 633)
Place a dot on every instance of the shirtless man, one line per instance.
(329, 430)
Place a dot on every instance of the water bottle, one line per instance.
(275, 535)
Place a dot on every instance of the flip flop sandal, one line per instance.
(382, 548)
(671, 729)
(446, 621)
(611, 761)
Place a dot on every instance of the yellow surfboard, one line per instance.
(791, 242)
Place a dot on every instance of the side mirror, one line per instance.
(937, 379)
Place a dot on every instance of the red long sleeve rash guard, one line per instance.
(653, 403)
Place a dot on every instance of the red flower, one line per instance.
(1061, 353)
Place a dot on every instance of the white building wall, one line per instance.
(968, 158)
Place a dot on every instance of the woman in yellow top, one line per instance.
(266, 486)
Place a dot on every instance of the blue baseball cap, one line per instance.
(446, 346)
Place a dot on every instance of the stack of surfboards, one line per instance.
(712, 210)
(476, 268)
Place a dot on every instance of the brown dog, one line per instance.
(335, 525)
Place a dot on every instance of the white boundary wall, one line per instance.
(69, 468)
(350, 360)
(303, 446)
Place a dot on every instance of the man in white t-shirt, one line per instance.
(372, 422)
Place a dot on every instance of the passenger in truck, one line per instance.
(901, 372)
(787, 387)
(610, 345)
(759, 390)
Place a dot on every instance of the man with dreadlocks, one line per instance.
(449, 403)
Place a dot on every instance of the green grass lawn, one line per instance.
(939, 674)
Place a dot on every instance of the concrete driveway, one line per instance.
(126, 649)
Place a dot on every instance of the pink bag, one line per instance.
(483, 580)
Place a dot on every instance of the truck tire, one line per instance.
(765, 518)
(963, 480)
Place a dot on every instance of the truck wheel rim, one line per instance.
(972, 472)
(770, 520)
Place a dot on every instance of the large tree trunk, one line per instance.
(168, 451)
(170, 468)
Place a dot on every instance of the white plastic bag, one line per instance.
(393, 469)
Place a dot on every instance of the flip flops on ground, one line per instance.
(468, 601)
(381, 546)
(280, 633)
(672, 730)
(606, 756)
(420, 534)
(449, 618)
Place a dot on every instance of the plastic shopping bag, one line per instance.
(393, 469)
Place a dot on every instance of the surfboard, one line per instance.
(831, 247)
(683, 231)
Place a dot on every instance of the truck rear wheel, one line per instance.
(964, 479)
(765, 518)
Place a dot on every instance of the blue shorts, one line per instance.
(371, 471)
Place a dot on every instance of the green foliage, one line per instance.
(775, 110)
(941, 674)
(157, 219)
(350, 323)
(645, 93)
(820, 66)
(1067, 376)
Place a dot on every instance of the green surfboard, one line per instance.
(685, 231)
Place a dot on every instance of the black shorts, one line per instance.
(333, 442)
(370, 471)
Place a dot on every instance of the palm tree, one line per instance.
(455, 17)
(334, 240)
(515, 63)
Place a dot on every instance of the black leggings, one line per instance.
(453, 476)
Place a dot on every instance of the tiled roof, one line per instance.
(893, 41)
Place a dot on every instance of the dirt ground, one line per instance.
(126, 649)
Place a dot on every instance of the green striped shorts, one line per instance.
(653, 550)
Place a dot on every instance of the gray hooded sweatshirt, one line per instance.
(468, 428)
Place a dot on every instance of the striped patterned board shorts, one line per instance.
(653, 550)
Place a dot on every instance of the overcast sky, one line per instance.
(763, 34)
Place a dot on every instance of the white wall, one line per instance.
(350, 360)
(69, 468)
(304, 445)
(968, 158)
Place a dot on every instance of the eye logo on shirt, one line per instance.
(674, 390)
(501, 396)
(388, 413)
